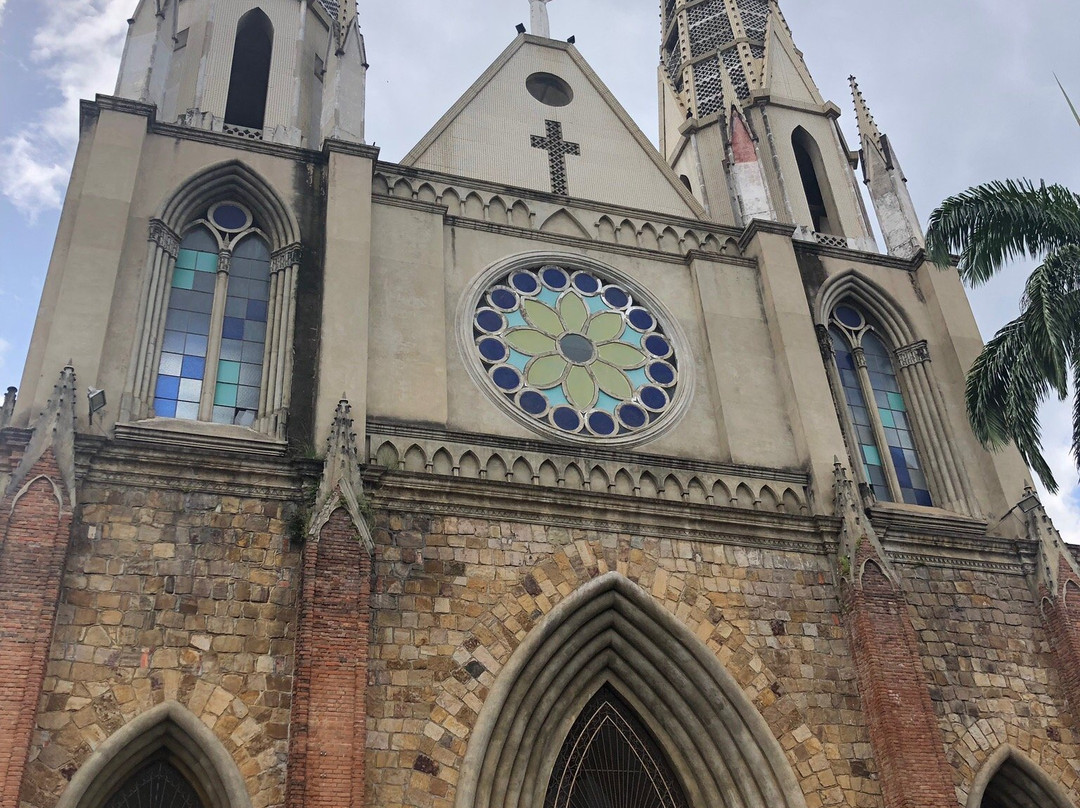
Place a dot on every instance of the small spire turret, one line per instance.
(538, 18)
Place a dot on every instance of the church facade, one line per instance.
(543, 468)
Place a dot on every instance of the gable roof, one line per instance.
(491, 134)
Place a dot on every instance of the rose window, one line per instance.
(575, 352)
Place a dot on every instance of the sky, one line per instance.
(964, 88)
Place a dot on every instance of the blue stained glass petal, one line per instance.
(849, 317)
(507, 378)
(586, 283)
(632, 416)
(657, 346)
(601, 423)
(525, 282)
(515, 320)
(518, 360)
(489, 321)
(555, 277)
(229, 217)
(654, 398)
(504, 298)
(606, 403)
(595, 304)
(533, 403)
(549, 297)
(492, 350)
(662, 373)
(616, 297)
(637, 377)
(567, 419)
(641, 319)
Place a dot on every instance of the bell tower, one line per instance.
(277, 71)
(744, 124)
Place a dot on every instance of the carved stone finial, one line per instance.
(855, 530)
(1052, 548)
(8, 407)
(54, 428)
(342, 484)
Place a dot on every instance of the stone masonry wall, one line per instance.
(454, 597)
(991, 672)
(171, 596)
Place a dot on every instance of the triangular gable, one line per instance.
(786, 75)
(489, 134)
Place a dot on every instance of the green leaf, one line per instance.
(1067, 99)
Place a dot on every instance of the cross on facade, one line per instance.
(557, 149)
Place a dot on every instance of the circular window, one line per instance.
(549, 89)
(230, 217)
(573, 349)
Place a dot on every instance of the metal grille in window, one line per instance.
(710, 28)
(158, 785)
(734, 68)
(669, 12)
(755, 15)
(610, 759)
(673, 62)
(710, 92)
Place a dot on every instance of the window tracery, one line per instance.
(156, 785)
(880, 420)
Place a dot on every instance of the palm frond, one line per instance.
(1067, 99)
(994, 223)
(1048, 307)
(1004, 389)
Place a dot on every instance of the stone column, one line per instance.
(274, 396)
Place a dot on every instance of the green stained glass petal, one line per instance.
(545, 371)
(605, 326)
(580, 387)
(621, 355)
(543, 318)
(530, 342)
(573, 311)
(611, 380)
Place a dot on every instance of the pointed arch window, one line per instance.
(249, 80)
(880, 422)
(213, 348)
(815, 184)
(156, 785)
(610, 760)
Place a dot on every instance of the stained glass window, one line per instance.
(860, 417)
(850, 333)
(894, 418)
(156, 785)
(575, 352)
(182, 365)
(243, 334)
(611, 760)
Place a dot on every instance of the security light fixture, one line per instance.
(97, 400)
(520, 28)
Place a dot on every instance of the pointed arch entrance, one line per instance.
(1009, 779)
(611, 640)
(166, 752)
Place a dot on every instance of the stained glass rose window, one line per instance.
(575, 351)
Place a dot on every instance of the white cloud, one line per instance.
(76, 50)
(5, 346)
(1063, 507)
(2, 4)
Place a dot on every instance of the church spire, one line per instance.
(886, 183)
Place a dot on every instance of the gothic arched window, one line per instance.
(249, 80)
(156, 785)
(815, 183)
(610, 760)
(880, 422)
(212, 355)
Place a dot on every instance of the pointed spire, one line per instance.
(54, 429)
(747, 174)
(7, 410)
(868, 128)
(856, 531)
(342, 484)
(538, 18)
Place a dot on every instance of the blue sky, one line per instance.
(965, 91)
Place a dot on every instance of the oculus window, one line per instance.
(576, 352)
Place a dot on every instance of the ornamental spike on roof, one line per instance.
(715, 53)
(868, 128)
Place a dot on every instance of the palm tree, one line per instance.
(1038, 353)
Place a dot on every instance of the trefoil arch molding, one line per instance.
(171, 730)
(214, 334)
(610, 632)
(1013, 780)
(871, 298)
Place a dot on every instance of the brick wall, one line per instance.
(903, 726)
(179, 596)
(1062, 619)
(34, 537)
(329, 734)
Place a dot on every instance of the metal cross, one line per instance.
(557, 149)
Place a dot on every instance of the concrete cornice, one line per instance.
(861, 257)
(334, 146)
(764, 226)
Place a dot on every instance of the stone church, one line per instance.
(545, 468)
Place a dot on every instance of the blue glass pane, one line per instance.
(165, 408)
(167, 388)
(233, 328)
(193, 367)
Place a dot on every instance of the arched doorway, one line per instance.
(159, 784)
(1009, 779)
